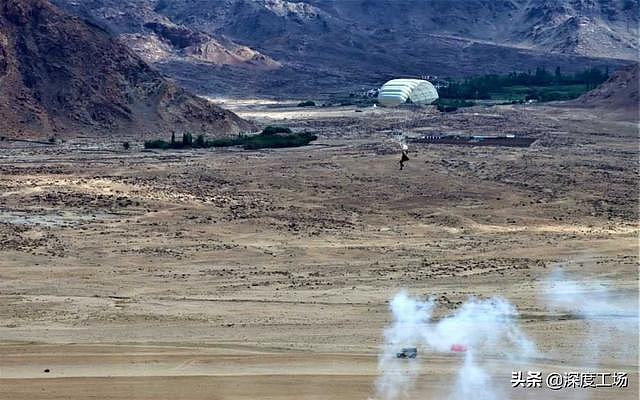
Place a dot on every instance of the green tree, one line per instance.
(558, 75)
(187, 139)
(200, 142)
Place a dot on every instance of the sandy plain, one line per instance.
(230, 274)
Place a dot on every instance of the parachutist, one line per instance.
(404, 158)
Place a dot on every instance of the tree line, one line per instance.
(481, 87)
(270, 137)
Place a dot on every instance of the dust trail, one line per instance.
(478, 327)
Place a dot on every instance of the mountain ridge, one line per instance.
(326, 45)
(61, 76)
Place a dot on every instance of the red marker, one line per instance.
(458, 348)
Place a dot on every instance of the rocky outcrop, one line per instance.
(141, 25)
(618, 93)
(162, 41)
(61, 75)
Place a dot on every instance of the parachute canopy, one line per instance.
(398, 91)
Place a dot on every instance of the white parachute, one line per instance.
(398, 91)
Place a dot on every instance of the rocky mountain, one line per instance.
(604, 28)
(618, 93)
(311, 45)
(166, 41)
(62, 75)
(157, 39)
(596, 28)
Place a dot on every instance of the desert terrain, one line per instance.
(233, 274)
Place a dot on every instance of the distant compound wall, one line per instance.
(398, 91)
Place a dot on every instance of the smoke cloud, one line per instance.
(588, 299)
(606, 311)
(478, 328)
(483, 330)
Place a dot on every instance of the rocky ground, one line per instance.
(232, 274)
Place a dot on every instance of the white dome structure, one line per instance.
(398, 91)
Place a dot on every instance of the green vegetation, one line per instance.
(308, 103)
(516, 86)
(158, 144)
(450, 105)
(274, 130)
(225, 142)
(262, 141)
(270, 137)
(187, 140)
(541, 93)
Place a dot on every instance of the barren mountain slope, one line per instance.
(163, 41)
(620, 92)
(157, 39)
(310, 45)
(602, 28)
(597, 28)
(60, 75)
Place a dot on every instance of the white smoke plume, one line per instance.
(477, 328)
(410, 318)
(610, 315)
(488, 329)
(588, 299)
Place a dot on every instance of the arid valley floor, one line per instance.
(232, 274)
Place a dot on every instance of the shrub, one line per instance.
(308, 103)
(156, 144)
(224, 142)
(262, 141)
(126, 145)
(450, 105)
